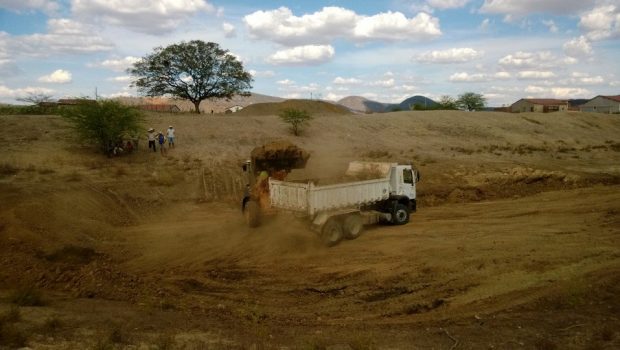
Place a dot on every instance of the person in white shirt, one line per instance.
(151, 138)
(170, 136)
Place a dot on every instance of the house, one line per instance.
(541, 105)
(602, 104)
(233, 109)
(74, 101)
(168, 108)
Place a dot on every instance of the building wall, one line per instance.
(601, 105)
(523, 106)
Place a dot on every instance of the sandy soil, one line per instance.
(515, 244)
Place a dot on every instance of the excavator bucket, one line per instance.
(278, 157)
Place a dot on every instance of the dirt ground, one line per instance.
(515, 244)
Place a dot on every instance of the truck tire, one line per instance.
(252, 214)
(400, 214)
(331, 233)
(353, 225)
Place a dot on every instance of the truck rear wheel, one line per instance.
(400, 214)
(331, 233)
(252, 214)
(353, 225)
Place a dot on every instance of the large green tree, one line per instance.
(192, 70)
(471, 101)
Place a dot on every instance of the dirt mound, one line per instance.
(310, 106)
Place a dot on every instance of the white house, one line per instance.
(233, 109)
(602, 104)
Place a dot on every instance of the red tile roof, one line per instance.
(615, 98)
(546, 101)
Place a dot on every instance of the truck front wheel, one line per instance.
(353, 226)
(331, 233)
(400, 214)
(252, 214)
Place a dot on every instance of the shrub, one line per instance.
(27, 296)
(103, 123)
(297, 118)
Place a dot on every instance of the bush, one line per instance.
(27, 296)
(104, 123)
(297, 118)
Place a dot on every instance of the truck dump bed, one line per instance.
(312, 199)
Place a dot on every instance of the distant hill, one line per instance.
(313, 107)
(206, 106)
(364, 105)
(422, 101)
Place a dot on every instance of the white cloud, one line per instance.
(64, 36)
(346, 81)
(145, 16)
(117, 64)
(229, 30)
(484, 25)
(46, 6)
(578, 47)
(386, 83)
(586, 79)
(395, 26)
(553, 28)
(570, 60)
(526, 7)
(557, 92)
(262, 74)
(407, 88)
(502, 75)
(59, 76)
(534, 75)
(282, 26)
(464, 77)
(334, 97)
(601, 22)
(447, 4)
(120, 79)
(285, 82)
(455, 55)
(520, 60)
(8, 94)
(321, 27)
(303, 55)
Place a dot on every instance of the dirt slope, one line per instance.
(515, 244)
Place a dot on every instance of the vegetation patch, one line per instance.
(11, 337)
(386, 294)
(421, 308)
(72, 254)
(7, 169)
(27, 296)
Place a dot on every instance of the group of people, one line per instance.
(158, 137)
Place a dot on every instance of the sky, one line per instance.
(382, 50)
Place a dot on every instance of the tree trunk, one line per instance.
(197, 106)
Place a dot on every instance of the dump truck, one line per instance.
(369, 193)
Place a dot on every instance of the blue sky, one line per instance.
(382, 50)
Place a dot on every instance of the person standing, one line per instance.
(162, 141)
(170, 136)
(151, 138)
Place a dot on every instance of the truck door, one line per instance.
(407, 181)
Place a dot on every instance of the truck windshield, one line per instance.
(407, 176)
